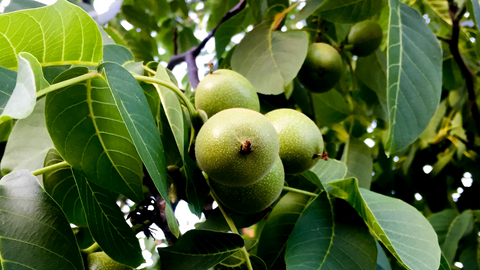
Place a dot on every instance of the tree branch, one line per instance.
(456, 14)
(190, 55)
(175, 44)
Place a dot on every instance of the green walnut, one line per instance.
(301, 143)
(101, 261)
(365, 37)
(224, 89)
(237, 147)
(255, 197)
(322, 69)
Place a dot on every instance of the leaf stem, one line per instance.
(50, 168)
(94, 247)
(300, 191)
(54, 87)
(191, 109)
(330, 39)
(233, 228)
(149, 70)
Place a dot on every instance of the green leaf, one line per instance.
(313, 178)
(470, 258)
(277, 229)
(399, 226)
(117, 54)
(257, 264)
(460, 226)
(330, 235)
(218, 9)
(236, 261)
(8, 80)
(51, 72)
(131, 102)
(34, 65)
(172, 154)
(441, 8)
(475, 6)
(88, 131)
(308, 10)
(197, 188)
(198, 249)
(330, 108)
(22, 4)
(441, 222)
(107, 223)
(84, 237)
(382, 259)
(358, 159)
(216, 221)
(58, 34)
(372, 71)
(444, 265)
(350, 11)
(7, 84)
(140, 48)
(61, 186)
(152, 98)
(23, 98)
(6, 125)
(258, 9)
(414, 76)
(429, 134)
(122, 56)
(22, 151)
(444, 159)
(269, 59)
(35, 233)
(173, 109)
(329, 170)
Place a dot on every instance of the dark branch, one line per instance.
(175, 37)
(456, 15)
(190, 55)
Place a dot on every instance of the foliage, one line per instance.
(91, 117)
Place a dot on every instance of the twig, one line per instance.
(175, 43)
(456, 16)
(190, 55)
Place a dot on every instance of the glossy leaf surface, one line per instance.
(330, 235)
(142, 128)
(35, 233)
(57, 34)
(414, 72)
(403, 230)
(21, 152)
(269, 59)
(107, 223)
(199, 249)
(62, 187)
(90, 134)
